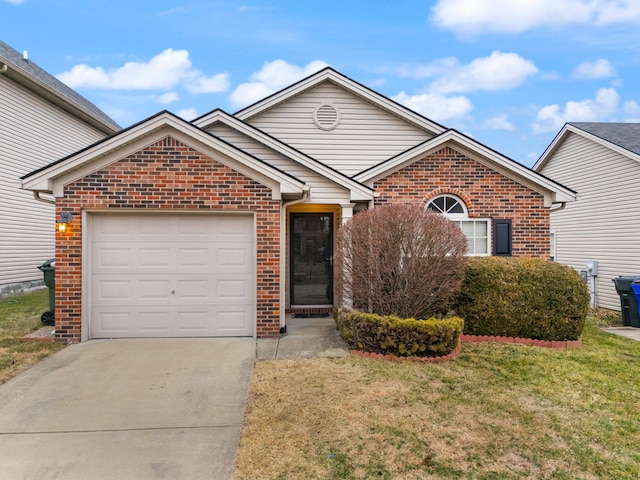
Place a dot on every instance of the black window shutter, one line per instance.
(502, 237)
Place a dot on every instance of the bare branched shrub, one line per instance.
(399, 260)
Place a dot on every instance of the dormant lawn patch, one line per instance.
(495, 411)
(19, 316)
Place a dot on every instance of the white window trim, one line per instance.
(488, 223)
(464, 217)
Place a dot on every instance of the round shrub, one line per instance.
(401, 337)
(399, 259)
(523, 297)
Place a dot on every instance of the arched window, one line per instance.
(476, 230)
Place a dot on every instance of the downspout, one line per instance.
(3, 67)
(306, 190)
(561, 207)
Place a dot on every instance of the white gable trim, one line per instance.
(53, 178)
(358, 191)
(564, 133)
(329, 74)
(552, 191)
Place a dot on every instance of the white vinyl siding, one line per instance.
(33, 133)
(604, 224)
(364, 136)
(322, 189)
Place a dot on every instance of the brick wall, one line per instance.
(487, 194)
(167, 175)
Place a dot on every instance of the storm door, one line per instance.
(311, 257)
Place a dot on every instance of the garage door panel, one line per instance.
(193, 290)
(153, 290)
(195, 258)
(195, 320)
(232, 320)
(145, 257)
(233, 291)
(232, 227)
(113, 257)
(113, 290)
(169, 275)
(151, 320)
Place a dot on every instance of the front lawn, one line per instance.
(19, 316)
(497, 411)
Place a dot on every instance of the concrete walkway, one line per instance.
(305, 338)
(128, 409)
(629, 332)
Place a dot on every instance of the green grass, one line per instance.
(498, 411)
(19, 316)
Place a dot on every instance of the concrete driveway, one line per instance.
(128, 409)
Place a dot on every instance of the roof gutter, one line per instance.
(561, 207)
(36, 195)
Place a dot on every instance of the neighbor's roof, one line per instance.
(623, 138)
(625, 135)
(30, 75)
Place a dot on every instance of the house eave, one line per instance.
(53, 178)
(552, 191)
(358, 191)
(356, 88)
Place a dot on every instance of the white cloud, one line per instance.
(498, 71)
(601, 68)
(187, 113)
(631, 108)
(165, 71)
(273, 77)
(167, 98)
(552, 117)
(513, 16)
(436, 107)
(618, 11)
(500, 122)
(213, 84)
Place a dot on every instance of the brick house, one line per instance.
(223, 225)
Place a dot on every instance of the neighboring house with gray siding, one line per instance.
(41, 120)
(601, 161)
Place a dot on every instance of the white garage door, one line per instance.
(171, 275)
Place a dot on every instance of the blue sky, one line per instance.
(509, 73)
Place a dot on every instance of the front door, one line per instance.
(311, 259)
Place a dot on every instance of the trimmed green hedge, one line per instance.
(391, 335)
(523, 297)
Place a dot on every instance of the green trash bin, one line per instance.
(48, 269)
(628, 301)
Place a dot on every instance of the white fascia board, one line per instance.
(552, 192)
(54, 178)
(553, 146)
(329, 74)
(357, 190)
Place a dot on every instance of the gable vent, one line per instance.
(326, 117)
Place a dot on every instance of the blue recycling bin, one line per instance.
(635, 286)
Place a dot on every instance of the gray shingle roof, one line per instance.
(625, 135)
(31, 71)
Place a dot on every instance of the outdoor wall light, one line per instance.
(64, 221)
